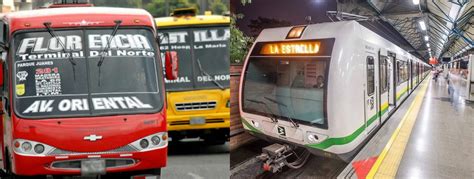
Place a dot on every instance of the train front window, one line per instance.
(289, 87)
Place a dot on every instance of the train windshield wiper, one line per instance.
(288, 110)
(106, 48)
(271, 115)
(207, 74)
(53, 34)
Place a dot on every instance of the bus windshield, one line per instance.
(47, 83)
(291, 87)
(203, 56)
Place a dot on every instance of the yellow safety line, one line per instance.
(388, 161)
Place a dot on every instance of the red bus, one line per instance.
(82, 93)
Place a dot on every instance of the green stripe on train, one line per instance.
(345, 140)
(253, 129)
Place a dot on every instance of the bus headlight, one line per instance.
(39, 148)
(32, 148)
(155, 140)
(314, 138)
(158, 140)
(26, 146)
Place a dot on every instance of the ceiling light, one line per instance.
(416, 2)
(428, 45)
(422, 25)
(426, 38)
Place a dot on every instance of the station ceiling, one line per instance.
(449, 24)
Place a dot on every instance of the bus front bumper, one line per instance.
(208, 121)
(43, 165)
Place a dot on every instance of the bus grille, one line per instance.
(195, 106)
(76, 164)
(186, 122)
(127, 148)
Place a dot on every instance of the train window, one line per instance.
(370, 76)
(398, 72)
(287, 86)
(402, 74)
(383, 74)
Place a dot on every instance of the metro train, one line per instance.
(324, 88)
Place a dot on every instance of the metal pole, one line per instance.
(167, 5)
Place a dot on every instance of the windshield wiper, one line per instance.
(106, 48)
(284, 105)
(207, 74)
(70, 58)
(272, 116)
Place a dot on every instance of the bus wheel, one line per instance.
(213, 140)
(11, 175)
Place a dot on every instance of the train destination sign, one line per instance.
(306, 47)
(288, 48)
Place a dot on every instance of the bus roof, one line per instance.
(191, 20)
(77, 17)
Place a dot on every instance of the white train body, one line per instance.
(350, 113)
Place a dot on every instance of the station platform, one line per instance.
(429, 136)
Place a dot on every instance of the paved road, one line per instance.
(195, 160)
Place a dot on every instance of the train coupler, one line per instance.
(274, 157)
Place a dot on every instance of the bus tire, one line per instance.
(9, 172)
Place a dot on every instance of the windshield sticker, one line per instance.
(21, 75)
(60, 75)
(20, 89)
(81, 104)
(201, 53)
(215, 78)
(39, 48)
(183, 79)
(180, 40)
(48, 81)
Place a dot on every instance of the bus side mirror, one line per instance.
(3, 36)
(171, 65)
(1, 76)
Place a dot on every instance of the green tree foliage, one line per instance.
(218, 7)
(239, 42)
(160, 8)
(257, 25)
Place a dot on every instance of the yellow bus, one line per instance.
(199, 98)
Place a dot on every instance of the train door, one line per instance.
(383, 94)
(410, 85)
(370, 94)
(391, 80)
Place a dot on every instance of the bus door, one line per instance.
(392, 87)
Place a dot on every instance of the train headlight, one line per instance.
(313, 138)
(256, 124)
(30, 148)
(151, 142)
